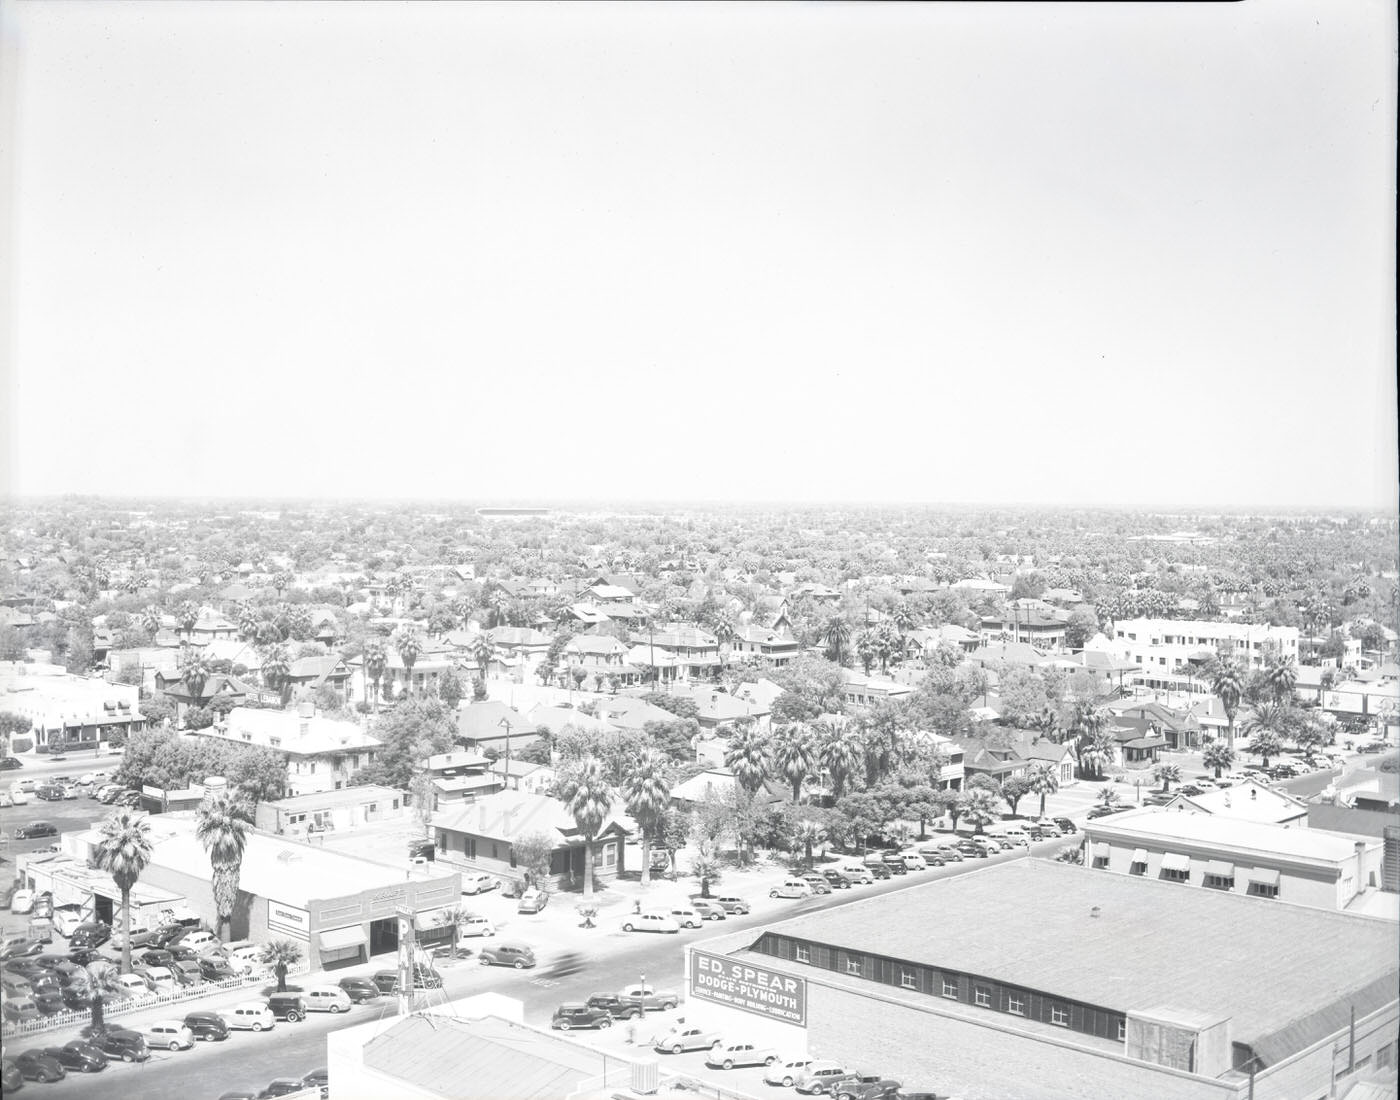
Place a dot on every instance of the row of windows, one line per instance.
(950, 985)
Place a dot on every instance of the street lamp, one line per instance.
(642, 998)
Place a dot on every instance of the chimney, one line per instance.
(1094, 912)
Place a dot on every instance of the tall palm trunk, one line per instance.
(646, 858)
(126, 931)
(588, 869)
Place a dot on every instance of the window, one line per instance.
(1101, 863)
(854, 965)
(1016, 1004)
(804, 953)
(396, 803)
(469, 847)
(373, 808)
(982, 996)
(610, 856)
(1059, 1015)
(275, 741)
(1385, 1057)
(1122, 1030)
(1170, 874)
(908, 978)
(950, 989)
(1219, 882)
(1263, 889)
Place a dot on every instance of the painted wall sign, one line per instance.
(742, 985)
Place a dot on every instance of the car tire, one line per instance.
(606, 1022)
(787, 1082)
(490, 933)
(174, 1045)
(485, 961)
(335, 1010)
(564, 1025)
(258, 1027)
(728, 1063)
(127, 1056)
(770, 1059)
(294, 1017)
(519, 964)
(666, 1006)
(772, 893)
(676, 1048)
(634, 1015)
(628, 927)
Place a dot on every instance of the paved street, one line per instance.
(614, 958)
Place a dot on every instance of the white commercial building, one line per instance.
(1168, 651)
(1302, 866)
(323, 754)
(79, 711)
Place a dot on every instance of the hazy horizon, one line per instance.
(905, 255)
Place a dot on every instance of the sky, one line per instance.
(1136, 255)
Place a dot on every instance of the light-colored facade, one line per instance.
(332, 811)
(323, 754)
(79, 711)
(1299, 866)
(1166, 650)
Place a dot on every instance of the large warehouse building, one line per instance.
(1041, 980)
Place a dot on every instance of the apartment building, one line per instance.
(1169, 653)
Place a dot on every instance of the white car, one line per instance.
(857, 872)
(22, 901)
(475, 926)
(786, 1073)
(479, 883)
(168, 1035)
(730, 1055)
(650, 922)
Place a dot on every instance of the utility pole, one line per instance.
(506, 722)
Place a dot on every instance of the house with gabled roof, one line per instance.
(311, 674)
(1182, 730)
(759, 641)
(602, 595)
(487, 723)
(481, 836)
(217, 685)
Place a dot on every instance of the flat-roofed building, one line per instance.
(1245, 801)
(1037, 980)
(332, 811)
(78, 712)
(1301, 866)
(340, 908)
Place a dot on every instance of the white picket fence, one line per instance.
(111, 1009)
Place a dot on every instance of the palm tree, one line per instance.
(247, 620)
(222, 827)
(409, 644)
(186, 617)
(1168, 774)
(807, 833)
(1047, 723)
(1219, 756)
(647, 789)
(722, 626)
(124, 851)
(589, 798)
(1096, 755)
(980, 807)
(281, 581)
(482, 651)
(836, 635)
(792, 755)
(150, 619)
(1108, 798)
(281, 955)
(747, 757)
(1044, 780)
(1226, 684)
(195, 672)
(454, 916)
(277, 669)
(1264, 741)
(376, 659)
(1281, 676)
(867, 649)
(839, 751)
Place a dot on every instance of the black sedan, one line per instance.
(157, 957)
(215, 970)
(11, 1080)
(35, 829)
(118, 1042)
(37, 1065)
(77, 1055)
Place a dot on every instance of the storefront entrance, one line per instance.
(383, 936)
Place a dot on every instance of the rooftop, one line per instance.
(347, 796)
(1056, 946)
(1226, 834)
(1245, 801)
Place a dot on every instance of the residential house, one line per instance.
(719, 783)
(481, 836)
(1138, 748)
(1033, 622)
(339, 811)
(626, 712)
(677, 651)
(310, 674)
(433, 662)
(605, 596)
(928, 639)
(998, 760)
(1182, 730)
(221, 686)
(209, 627)
(322, 754)
(521, 775)
(491, 724)
(520, 646)
(461, 776)
(862, 690)
(1260, 859)
(587, 615)
(759, 641)
(717, 707)
(555, 718)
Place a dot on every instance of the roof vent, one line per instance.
(1094, 912)
(1253, 793)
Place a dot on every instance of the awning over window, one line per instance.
(1265, 876)
(1220, 867)
(1173, 861)
(1139, 855)
(1102, 849)
(340, 939)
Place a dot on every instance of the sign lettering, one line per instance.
(751, 988)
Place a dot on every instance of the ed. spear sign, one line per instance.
(751, 988)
